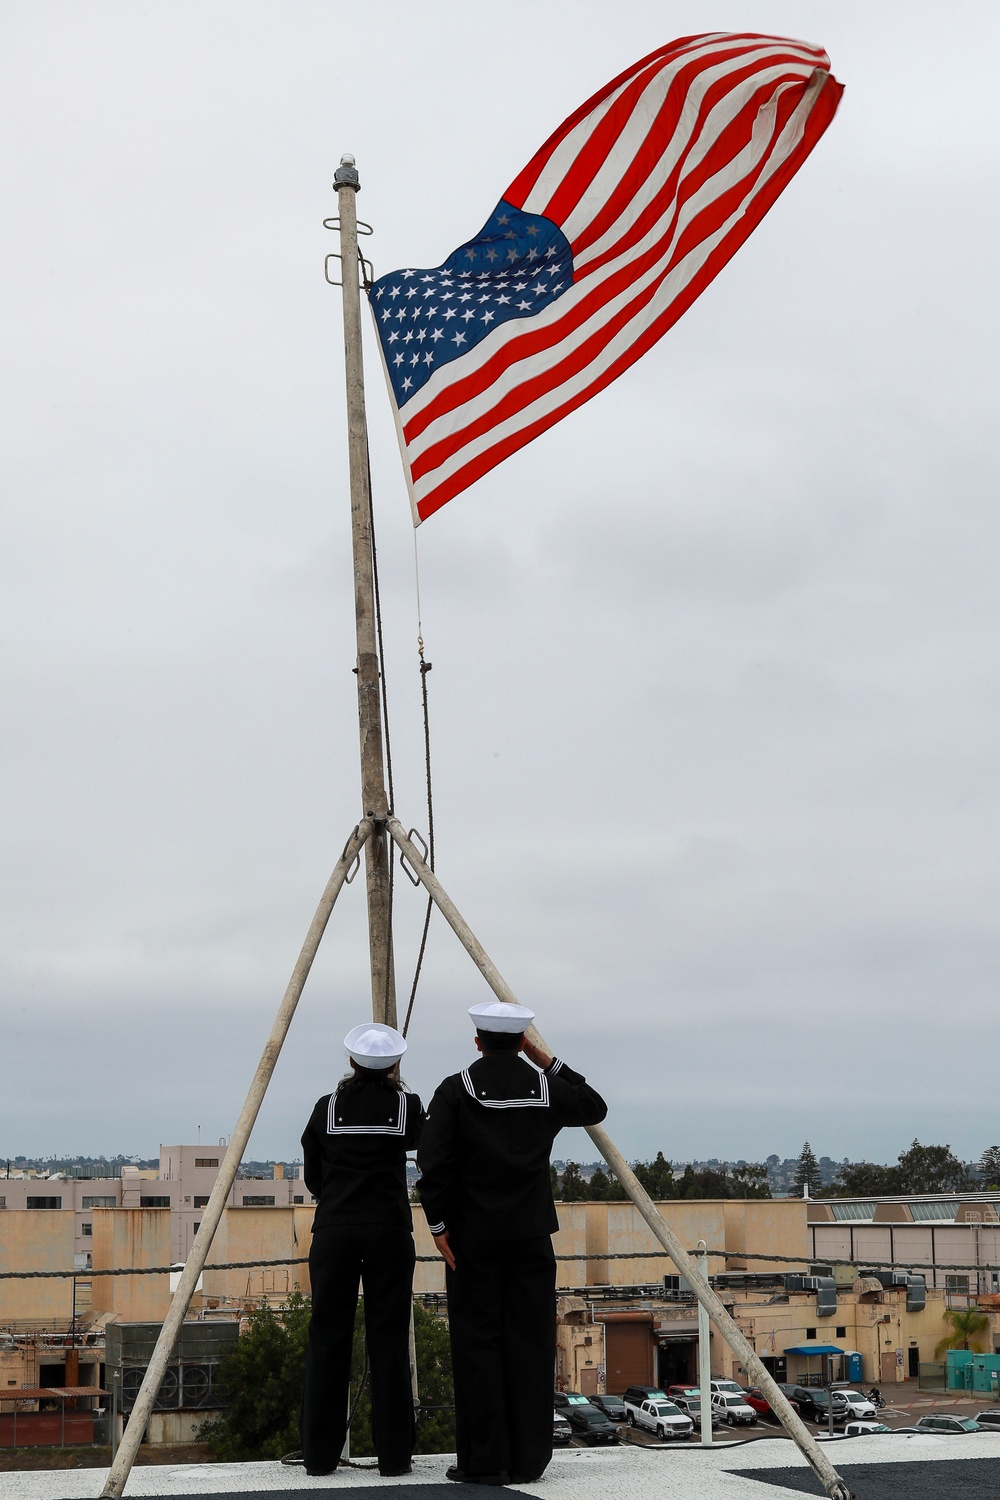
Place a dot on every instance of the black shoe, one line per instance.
(321, 1473)
(394, 1473)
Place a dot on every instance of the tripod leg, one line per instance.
(685, 1263)
(181, 1300)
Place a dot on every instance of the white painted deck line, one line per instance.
(626, 1473)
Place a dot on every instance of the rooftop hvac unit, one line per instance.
(131, 1381)
(196, 1387)
(168, 1396)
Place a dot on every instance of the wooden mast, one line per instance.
(374, 802)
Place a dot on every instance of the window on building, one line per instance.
(298, 1198)
(196, 1228)
(86, 1228)
(258, 1201)
(3, 1202)
(924, 1211)
(44, 1203)
(201, 1202)
(206, 1161)
(154, 1202)
(810, 1333)
(100, 1202)
(952, 1283)
(841, 1333)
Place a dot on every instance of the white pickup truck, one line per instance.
(660, 1416)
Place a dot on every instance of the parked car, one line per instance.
(948, 1424)
(988, 1419)
(636, 1395)
(673, 1391)
(591, 1424)
(690, 1405)
(613, 1407)
(864, 1429)
(804, 1397)
(756, 1398)
(562, 1399)
(842, 1411)
(562, 1432)
(726, 1385)
(860, 1405)
(664, 1418)
(733, 1409)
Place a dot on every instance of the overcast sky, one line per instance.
(715, 698)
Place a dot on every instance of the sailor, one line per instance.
(486, 1188)
(354, 1164)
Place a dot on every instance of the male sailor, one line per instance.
(354, 1164)
(486, 1189)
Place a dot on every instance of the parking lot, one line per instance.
(905, 1408)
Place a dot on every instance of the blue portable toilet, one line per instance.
(852, 1360)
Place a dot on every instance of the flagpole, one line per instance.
(374, 802)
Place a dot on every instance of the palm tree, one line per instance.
(966, 1323)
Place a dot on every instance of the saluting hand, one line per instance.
(536, 1055)
(444, 1248)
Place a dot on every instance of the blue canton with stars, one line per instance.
(516, 266)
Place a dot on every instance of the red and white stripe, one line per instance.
(656, 181)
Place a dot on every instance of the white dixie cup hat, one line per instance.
(498, 1015)
(373, 1045)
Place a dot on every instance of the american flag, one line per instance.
(612, 230)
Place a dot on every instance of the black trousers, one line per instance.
(382, 1258)
(502, 1322)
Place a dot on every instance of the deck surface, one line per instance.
(877, 1468)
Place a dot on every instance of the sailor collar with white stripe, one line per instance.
(490, 1097)
(339, 1112)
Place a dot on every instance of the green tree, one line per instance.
(932, 1169)
(573, 1188)
(750, 1180)
(264, 1373)
(989, 1167)
(864, 1179)
(554, 1180)
(263, 1377)
(965, 1324)
(807, 1172)
(657, 1177)
(605, 1187)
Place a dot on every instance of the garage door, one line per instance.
(628, 1351)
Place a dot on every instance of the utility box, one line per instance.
(985, 1372)
(959, 1369)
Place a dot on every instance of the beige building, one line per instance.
(953, 1237)
(625, 1315)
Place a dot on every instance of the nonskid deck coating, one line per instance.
(877, 1468)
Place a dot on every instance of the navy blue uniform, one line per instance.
(484, 1163)
(354, 1155)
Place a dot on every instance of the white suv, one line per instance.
(733, 1409)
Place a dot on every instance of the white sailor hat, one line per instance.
(374, 1045)
(497, 1015)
